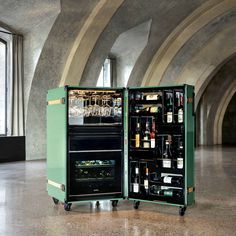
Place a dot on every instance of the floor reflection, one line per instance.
(26, 209)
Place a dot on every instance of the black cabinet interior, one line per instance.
(156, 170)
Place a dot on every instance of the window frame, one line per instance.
(6, 73)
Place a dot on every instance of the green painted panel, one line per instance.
(157, 202)
(189, 144)
(56, 143)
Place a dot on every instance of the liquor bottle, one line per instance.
(180, 160)
(168, 179)
(166, 162)
(180, 103)
(146, 185)
(169, 107)
(153, 135)
(136, 179)
(146, 138)
(137, 96)
(137, 135)
(169, 192)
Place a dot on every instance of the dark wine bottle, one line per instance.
(176, 180)
(146, 138)
(146, 181)
(137, 135)
(169, 107)
(136, 179)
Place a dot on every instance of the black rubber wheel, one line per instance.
(67, 206)
(182, 211)
(97, 204)
(136, 204)
(114, 203)
(56, 201)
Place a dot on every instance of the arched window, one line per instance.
(3, 87)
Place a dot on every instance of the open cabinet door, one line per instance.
(156, 147)
(57, 143)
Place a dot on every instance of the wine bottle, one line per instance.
(146, 185)
(168, 179)
(180, 115)
(169, 107)
(166, 162)
(136, 179)
(137, 135)
(169, 192)
(146, 138)
(152, 135)
(180, 160)
(179, 107)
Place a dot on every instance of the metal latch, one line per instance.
(190, 189)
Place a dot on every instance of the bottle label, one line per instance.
(168, 193)
(146, 144)
(151, 97)
(146, 184)
(167, 179)
(136, 170)
(153, 109)
(180, 116)
(152, 143)
(135, 188)
(169, 117)
(137, 140)
(167, 163)
(180, 163)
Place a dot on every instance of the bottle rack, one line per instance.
(162, 111)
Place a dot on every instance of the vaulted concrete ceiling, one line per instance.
(23, 16)
(188, 41)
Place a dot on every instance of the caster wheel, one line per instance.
(56, 201)
(114, 203)
(67, 206)
(182, 211)
(97, 204)
(136, 204)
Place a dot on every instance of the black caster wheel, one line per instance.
(136, 204)
(67, 206)
(56, 201)
(182, 211)
(97, 204)
(114, 203)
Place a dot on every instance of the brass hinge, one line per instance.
(190, 189)
(60, 186)
(56, 102)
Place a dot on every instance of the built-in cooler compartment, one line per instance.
(95, 174)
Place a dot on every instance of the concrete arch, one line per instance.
(86, 40)
(220, 113)
(208, 79)
(214, 102)
(214, 53)
(129, 15)
(50, 67)
(185, 31)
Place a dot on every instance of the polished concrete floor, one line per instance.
(26, 209)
